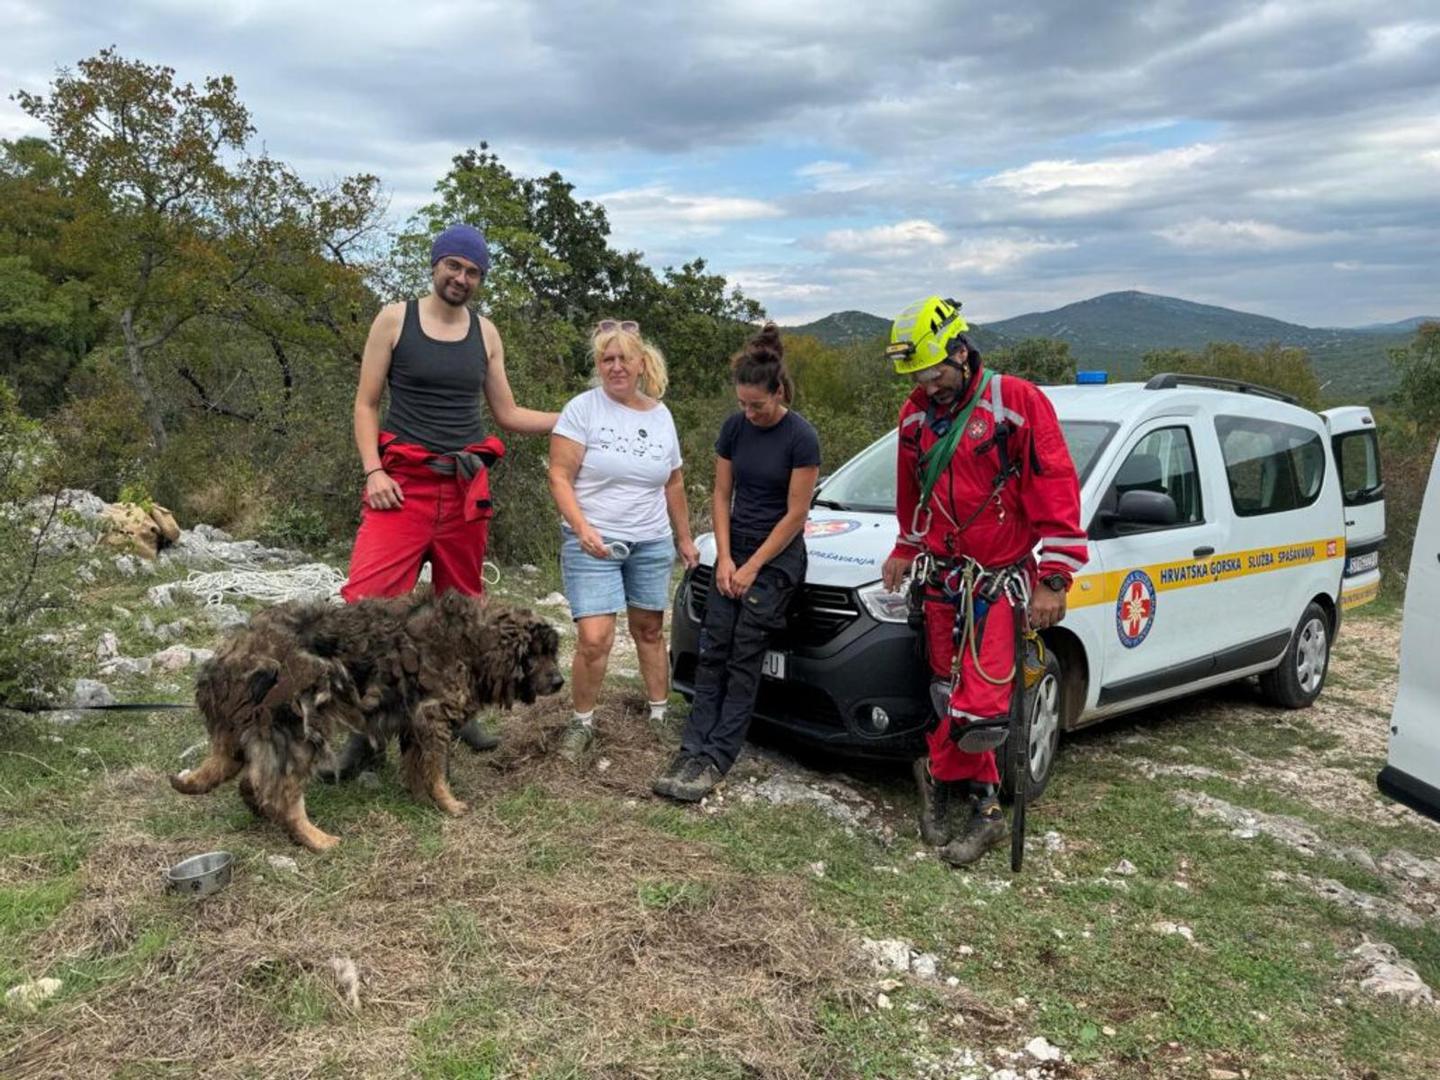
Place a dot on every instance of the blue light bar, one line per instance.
(1091, 378)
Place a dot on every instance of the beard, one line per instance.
(448, 293)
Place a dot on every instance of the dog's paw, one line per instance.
(316, 840)
(180, 781)
(454, 807)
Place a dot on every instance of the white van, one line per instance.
(1412, 771)
(1229, 529)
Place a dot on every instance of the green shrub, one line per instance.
(30, 579)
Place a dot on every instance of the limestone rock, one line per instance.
(28, 996)
(90, 692)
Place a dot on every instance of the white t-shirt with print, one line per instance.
(629, 454)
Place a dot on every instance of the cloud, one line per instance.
(1069, 187)
(1207, 234)
(1228, 151)
(884, 240)
(999, 254)
(662, 206)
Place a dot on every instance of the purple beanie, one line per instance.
(464, 240)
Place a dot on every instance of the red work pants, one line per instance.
(430, 524)
(973, 696)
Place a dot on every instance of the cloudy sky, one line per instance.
(1282, 158)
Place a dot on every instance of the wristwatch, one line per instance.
(1056, 582)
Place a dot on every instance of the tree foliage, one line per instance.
(1418, 366)
(168, 222)
(1046, 361)
(1279, 367)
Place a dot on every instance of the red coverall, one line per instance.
(444, 518)
(1039, 506)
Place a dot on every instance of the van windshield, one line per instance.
(867, 481)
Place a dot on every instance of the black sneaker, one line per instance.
(698, 779)
(985, 829)
(664, 784)
(476, 737)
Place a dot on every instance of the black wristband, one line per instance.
(377, 468)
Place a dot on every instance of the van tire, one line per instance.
(1300, 676)
(1047, 712)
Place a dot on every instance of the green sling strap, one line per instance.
(936, 460)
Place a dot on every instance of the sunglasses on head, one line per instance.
(629, 326)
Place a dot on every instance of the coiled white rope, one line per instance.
(312, 581)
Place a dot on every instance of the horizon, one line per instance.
(1283, 158)
(1117, 292)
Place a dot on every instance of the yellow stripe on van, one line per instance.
(1358, 596)
(1104, 588)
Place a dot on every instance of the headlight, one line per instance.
(885, 606)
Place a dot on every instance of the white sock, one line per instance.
(586, 719)
(657, 709)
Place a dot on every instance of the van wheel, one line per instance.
(1046, 707)
(1298, 680)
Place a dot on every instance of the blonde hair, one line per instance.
(654, 379)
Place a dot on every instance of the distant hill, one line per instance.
(844, 328)
(1115, 330)
(1404, 326)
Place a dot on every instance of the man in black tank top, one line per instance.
(427, 493)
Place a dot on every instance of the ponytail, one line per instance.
(762, 363)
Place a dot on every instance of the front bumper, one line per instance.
(831, 687)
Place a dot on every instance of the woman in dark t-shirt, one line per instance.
(767, 458)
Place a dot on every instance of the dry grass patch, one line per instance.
(555, 924)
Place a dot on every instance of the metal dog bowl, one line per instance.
(201, 875)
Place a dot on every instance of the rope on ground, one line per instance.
(312, 581)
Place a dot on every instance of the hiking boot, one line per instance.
(696, 780)
(357, 756)
(576, 741)
(983, 831)
(664, 784)
(934, 805)
(476, 737)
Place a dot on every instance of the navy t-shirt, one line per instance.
(761, 460)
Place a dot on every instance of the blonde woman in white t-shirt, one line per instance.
(615, 476)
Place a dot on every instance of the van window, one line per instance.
(1163, 461)
(1358, 455)
(1271, 466)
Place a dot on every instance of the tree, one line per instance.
(1418, 365)
(1046, 361)
(1279, 367)
(170, 222)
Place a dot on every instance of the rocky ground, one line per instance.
(1212, 890)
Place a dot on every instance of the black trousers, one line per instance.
(733, 640)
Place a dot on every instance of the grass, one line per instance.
(572, 926)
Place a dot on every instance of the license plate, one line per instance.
(774, 665)
(1358, 564)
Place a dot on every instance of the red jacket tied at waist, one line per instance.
(1038, 506)
(474, 485)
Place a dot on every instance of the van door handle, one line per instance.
(1349, 524)
(1203, 552)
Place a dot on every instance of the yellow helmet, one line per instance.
(921, 334)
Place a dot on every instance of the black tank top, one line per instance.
(435, 387)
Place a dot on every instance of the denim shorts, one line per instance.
(641, 579)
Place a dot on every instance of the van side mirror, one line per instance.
(1135, 510)
(1146, 508)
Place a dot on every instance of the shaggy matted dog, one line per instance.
(414, 667)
